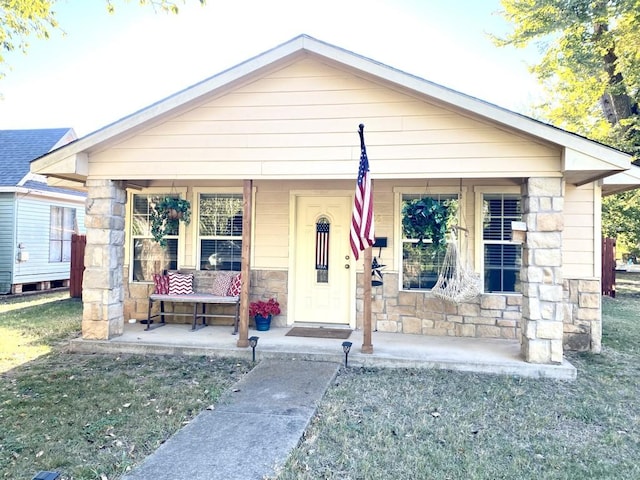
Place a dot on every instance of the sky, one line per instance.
(105, 67)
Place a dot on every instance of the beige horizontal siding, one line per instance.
(301, 122)
(578, 242)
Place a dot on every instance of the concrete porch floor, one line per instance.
(394, 350)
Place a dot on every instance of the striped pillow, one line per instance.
(180, 283)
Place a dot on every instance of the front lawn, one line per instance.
(95, 416)
(425, 424)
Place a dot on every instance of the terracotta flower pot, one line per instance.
(174, 214)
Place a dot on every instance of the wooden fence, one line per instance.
(609, 267)
(78, 243)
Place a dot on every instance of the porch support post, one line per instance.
(102, 285)
(367, 345)
(247, 201)
(541, 273)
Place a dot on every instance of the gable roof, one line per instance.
(19, 147)
(583, 160)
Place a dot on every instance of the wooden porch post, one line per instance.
(247, 201)
(367, 346)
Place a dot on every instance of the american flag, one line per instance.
(362, 231)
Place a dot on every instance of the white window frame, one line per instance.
(480, 192)
(461, 192)
(64, 232)
(197, 192)
(183, 229)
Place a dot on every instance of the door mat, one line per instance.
(319, 332)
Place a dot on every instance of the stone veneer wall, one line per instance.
(489, 316)
(582, 315)
(419, 312)
(265, 284)
(102, 284)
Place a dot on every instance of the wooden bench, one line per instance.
(202, 284)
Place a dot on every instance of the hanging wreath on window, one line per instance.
(426, 219)
(166, 215)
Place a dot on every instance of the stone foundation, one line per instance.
(582, 315)
(488, 316)
(421, 313)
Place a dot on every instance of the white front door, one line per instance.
(322, 260)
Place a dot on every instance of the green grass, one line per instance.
(424, 424)
(32, 325)
(96, 416)
(90, 416)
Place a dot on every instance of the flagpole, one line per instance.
(367, 345)
(362, 236)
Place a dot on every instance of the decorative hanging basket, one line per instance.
(166, 216)
(426, 219)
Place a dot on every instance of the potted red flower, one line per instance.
(262, 312)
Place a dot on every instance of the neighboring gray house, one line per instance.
(36, 220)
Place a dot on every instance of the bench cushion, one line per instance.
(194, 298)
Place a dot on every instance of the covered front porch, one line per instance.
(391, 350)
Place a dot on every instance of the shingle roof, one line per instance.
(19, 147)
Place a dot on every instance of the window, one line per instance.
(502, 257)
(421, 261)
(148, 257)
(220, 231)
(62, 225)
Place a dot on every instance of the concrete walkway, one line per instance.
(251, 431)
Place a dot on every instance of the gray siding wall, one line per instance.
(33, 231)
(7, 240)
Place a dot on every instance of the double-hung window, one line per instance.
(220, 231)
(62, 225)
(421, 262)
(147, 256)
(502, 257)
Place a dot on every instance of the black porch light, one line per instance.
(346, 347)
(253, 342)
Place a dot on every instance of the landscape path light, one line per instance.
(346, 347)
(253, 342)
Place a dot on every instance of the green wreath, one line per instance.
(426, 218)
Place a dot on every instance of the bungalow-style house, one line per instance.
(267, 153)
(36, 220)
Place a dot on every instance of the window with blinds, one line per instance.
(220, 231)
(147, 256)
(502, 257)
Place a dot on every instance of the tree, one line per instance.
(590, 69)
(20, 19)
(591, 63)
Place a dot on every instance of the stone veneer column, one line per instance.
(541, 273)
(102, 286)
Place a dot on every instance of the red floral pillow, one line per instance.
(221, 283)
(161, 284)
(235, 287)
